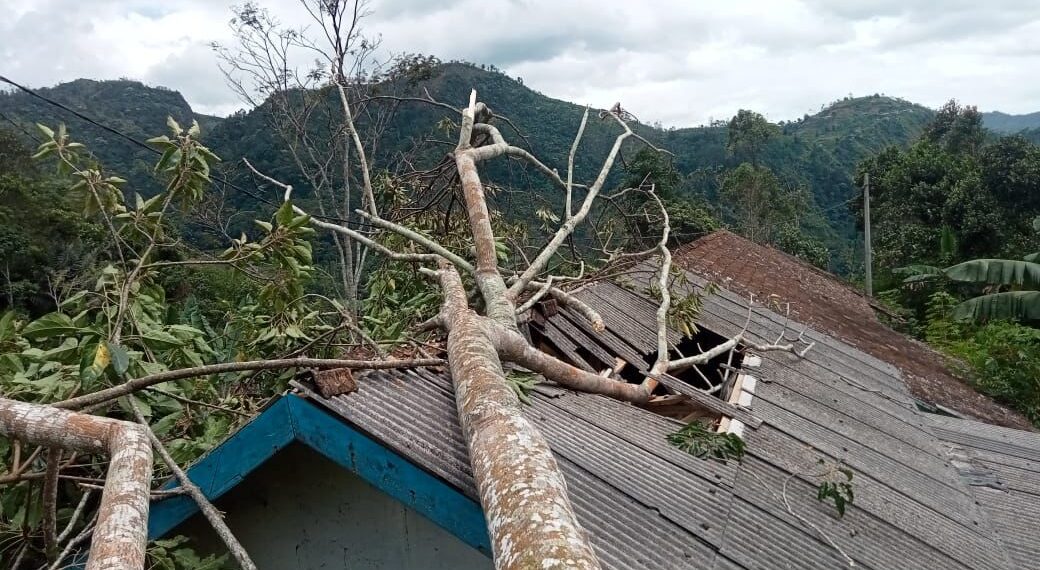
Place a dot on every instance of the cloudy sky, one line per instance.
(680, 62)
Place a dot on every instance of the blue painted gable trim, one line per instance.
(226, 465)
(292, 418)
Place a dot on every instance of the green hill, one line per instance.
(128, 106)
(1010, 124)
(818, 151)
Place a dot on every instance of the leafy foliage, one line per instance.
(836, 487)
(46, 246)
(117, 320)
(996, 272)
(1000, 358)
(953, 186)
(685, 308)
(762, 210)
(818, 153)
(699, 440)
(522, 383)
(175, 554)
(1003, 360)
(748, 132)
(1024, 305)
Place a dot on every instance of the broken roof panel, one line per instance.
(834, 308)
(648, 505)
(1012, 505)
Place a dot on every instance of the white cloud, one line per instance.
(674, 61)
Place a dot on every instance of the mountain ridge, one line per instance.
(819, 151)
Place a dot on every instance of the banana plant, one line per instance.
(1013, 286)
(1021, 302)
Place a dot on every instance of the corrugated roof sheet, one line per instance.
(1013, 456)
(647, 505)
(835, 308)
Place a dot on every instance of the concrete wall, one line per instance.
(300, 511)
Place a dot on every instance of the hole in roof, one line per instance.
(712, 376)
(628, 358)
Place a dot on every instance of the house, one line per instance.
(380, 478)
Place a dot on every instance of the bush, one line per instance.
(1004, 358)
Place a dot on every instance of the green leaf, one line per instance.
(42, 152)
(285, 214)
(7, 325)
(160, 340)
(68, 349)
(164, 161)
(120, 358)
(1011, 305)
(90, 374)
(167, 423)
(75, 298)
(170, 122)
(145, 407)
(266, 226)
(47, 326)
(996, 272)
(293, 331)
(46, 130)
(917, 273)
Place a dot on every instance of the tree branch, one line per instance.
(492, 287)
(213, 516)
(419, 239)
(121, 532)
(152, 379)
(570, 162)
(661, 365)
(50, 503)
(543, 257)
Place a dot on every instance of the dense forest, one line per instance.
(956, 233)
(814, 156)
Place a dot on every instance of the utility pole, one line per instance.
(867, 257)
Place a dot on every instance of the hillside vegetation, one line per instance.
(817, 153)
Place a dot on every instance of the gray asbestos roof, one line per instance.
(1002, 465)
(648, 505)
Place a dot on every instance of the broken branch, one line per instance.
(250, 365)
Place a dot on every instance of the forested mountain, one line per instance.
(817, 152)
(138, 110)
(1010, 124)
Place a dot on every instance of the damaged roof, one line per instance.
(646, 504)
(1002, 466)
(830, 305)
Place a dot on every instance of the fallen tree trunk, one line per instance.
(530, 519)
(120, 536)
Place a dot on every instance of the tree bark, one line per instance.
(524, 496)
(120, 536)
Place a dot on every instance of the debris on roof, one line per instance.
(822, 301)
(647, 504)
